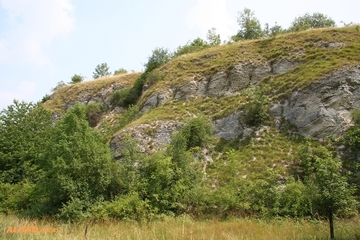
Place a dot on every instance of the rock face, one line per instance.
(324, 108)
(239, 77)
(223, 83)
(229, 127)
(151, 137)
(320, 110)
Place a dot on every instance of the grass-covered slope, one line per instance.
(72, 93)
(319, 53)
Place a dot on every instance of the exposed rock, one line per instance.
(150, 137)
(156, 100)
(229, 127)
(324, 108)
(239, 77)
(283, 65)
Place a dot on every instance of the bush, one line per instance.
(307, 21)
(129, 115)
(76, 79)
(159, 57)
(120, 71)
(93, 113)
(256, 110)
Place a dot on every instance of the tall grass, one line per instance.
(184, 227)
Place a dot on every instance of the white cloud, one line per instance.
(207, 14)
(23, 91)
(30, 28)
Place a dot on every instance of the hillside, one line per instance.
(310, 80)
(267, 127)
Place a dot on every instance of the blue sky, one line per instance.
(43, 42)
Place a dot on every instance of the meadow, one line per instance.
(182, 227)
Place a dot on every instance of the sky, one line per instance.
(43, 42)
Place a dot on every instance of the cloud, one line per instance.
(24, 91)
(31, 25)
(207, 14)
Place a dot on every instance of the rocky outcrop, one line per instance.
(229, 127)
(323, 108)
(223, 83)
(150, 137)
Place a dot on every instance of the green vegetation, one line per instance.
(120, 71)
(65, 171)
(77, 78)
(307, 21)
(250, 27)
(101, 70)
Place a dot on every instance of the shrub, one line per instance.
(159, 57)
(93, 113)
(129, 115)
(120, 71)
(76, 79)
(307, 21)
(256, 110)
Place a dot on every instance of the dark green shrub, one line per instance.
(93, 113)
(256, 110)
(119, 98)
(76, 79)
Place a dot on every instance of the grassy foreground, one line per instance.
(178, 228)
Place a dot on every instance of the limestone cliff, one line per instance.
(312, 80)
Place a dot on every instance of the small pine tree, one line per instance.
(101, 70)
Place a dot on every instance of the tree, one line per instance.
(77, 78)
(307, 21)
(159, 57)
(196, 45)
(120, 71)
(101, 70)
(250, 27)
(323, 173)
(77, 166)
(24, 131)
(213, 38)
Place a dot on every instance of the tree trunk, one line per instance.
(331, 223)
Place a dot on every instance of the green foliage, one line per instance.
(77, 78)
(275, 30)
(197, 132)
(159, 57)
(45, 98)
(323, 172)
(59, 85)
(129, 115)
(126, 207)
(256, 109)
(356, 116)
(120, 71)
(120, 98)
(101, 70)
(77, 164)
(24, 130)
(153, 77)
(93, 113)
(295, 200)
(213, 38)
(307, 21)
(16, 198)
(250, 27)
(197, 44)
